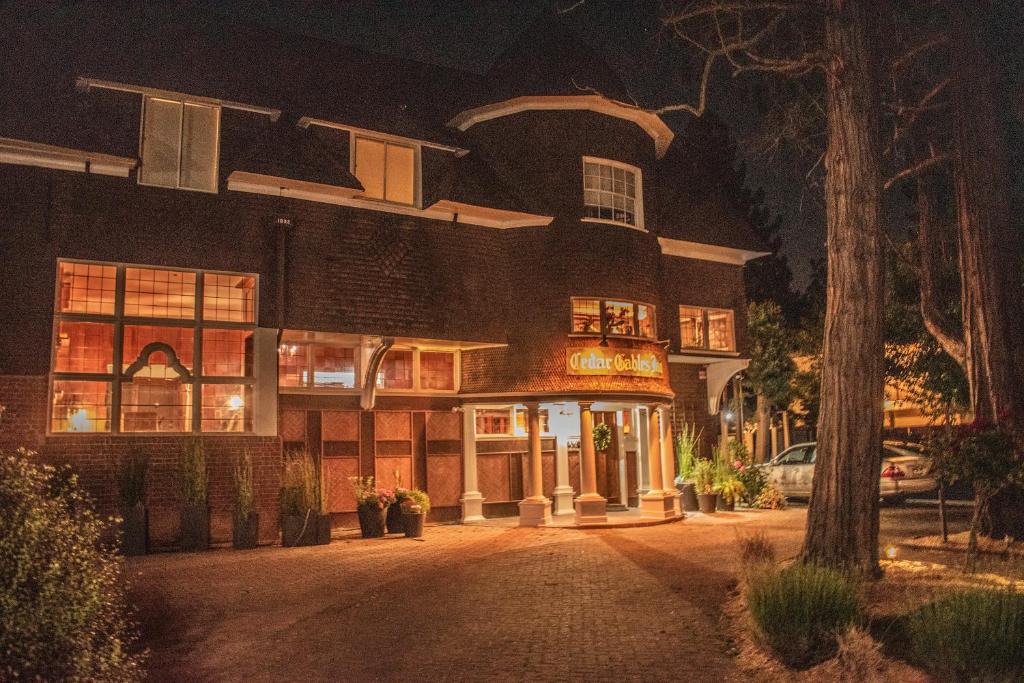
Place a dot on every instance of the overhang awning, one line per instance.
(258, 183)
(25, 153)
(490, 217)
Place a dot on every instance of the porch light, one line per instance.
(235, 402)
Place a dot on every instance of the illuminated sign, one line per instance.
(602, 361)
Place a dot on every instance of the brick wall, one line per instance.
(691, 404)
(95, 458)
(23, 421)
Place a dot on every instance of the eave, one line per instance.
(25, 153)
(708, 252)
(307, 121)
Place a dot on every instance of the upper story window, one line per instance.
(612, 192)
(613, 318)
(712, 329)
(130, 353)
(180, 142)
(507, 421)
(387, 170)
(416, 370)
(330, 366)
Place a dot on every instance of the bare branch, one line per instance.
(916, 169)
(904, 60)
(570, 8)
(751, 6)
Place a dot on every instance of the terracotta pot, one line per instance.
(134, 530)
(413, 523)
(689, 496)
(195, 527)
(394, 519)
(706, 502)
(372, 522)
(245, 531)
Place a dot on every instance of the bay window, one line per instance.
(711, 329)
(132, 355)
(386, 170)
(179, 144)
(613, 318)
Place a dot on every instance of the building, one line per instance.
(276, 242)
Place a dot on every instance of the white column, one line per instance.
(591, 507)
(668, 461)
(563, 488)
(655, 504)
(472, 501)
(643, 474)
(535, 509)
(620, 440)
(265, 392)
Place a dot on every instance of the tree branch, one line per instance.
(916, 169)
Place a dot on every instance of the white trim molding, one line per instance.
(708, 252)
(307, 121)
(651, 123)
(25, 153)
(488, 217)
(85, 84)
(258, 183)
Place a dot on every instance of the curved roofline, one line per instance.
(650, 122)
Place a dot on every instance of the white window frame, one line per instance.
(311, 388)
(417, 182)
(601, 301)
(216, 154)
(705, 311)
(119, 320)
(416, 384)
(310, 385)
(514, 431)
(638, 199)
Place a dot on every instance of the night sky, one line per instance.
(468, 34)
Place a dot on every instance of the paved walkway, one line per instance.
(466, 603)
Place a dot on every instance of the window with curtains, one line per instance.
(139, 349)
(712, 329)
(387, 170)
(179, 144)
(613, 318)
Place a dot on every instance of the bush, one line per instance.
(704, 477)
(754, 480)
(300, 484)
(416, 497)
(770, 498)
(244, 492)
(192, 474)
(131, 478)
(800, 610)
(687, 442)
(970, 634)
(64, 613)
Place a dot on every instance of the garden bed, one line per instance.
(958, 544)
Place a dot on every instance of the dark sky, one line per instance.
(469, 34)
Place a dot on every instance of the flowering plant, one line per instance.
(368, 496)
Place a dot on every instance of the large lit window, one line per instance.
(323, 366)
(507, 421)
(395, 370)
(612, 192)
(707, 328)
(314, 365)
(613, 318)
(179, 144)
(130, 355)
(386, 170)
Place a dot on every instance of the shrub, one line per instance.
(970, 634)
(756, 550)
(800, 610)
(62, 601)
(687, 441)
(131, 477)
(754, 480)
(192, 474)
(731, 489)
(704, 476)
(245, 496)
(770, 498)
(417, 497)
(300, 484)
(370, 497)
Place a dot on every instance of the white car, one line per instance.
(906, 470)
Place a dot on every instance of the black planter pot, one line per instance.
(413, 523)
(134, 530)
(297, 530)
(725, 507)
(706, 502)
(395, 519)
(689, 496)
(195, 527)
(245, 532)
(323, 529)
(372, 522)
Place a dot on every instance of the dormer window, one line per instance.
(612, 193)
(387, 170)
(180, 142)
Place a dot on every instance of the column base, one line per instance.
(677, 503)
(591, 508)
(563, 500)
(534, 512)
(472, 506)
(656, 505)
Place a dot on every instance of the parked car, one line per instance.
(906, 470)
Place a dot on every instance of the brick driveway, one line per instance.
(468, 603)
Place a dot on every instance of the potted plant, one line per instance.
(686, 455)
(704, 482)
(302, 521)
(245, 530)
(372, 504)
(394, 520)
(730, 491)
(193, 480)
(415, 506)
(131, 485)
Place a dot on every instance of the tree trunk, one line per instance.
(990, 254)
(842, 524)
(762, 429)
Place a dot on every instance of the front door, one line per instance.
(608, 461)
